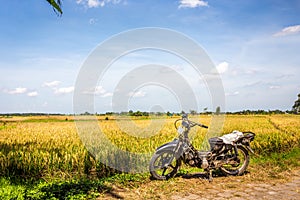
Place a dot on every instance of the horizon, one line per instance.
(158, 112)
(253, 45)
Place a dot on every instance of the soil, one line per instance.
(285, 186)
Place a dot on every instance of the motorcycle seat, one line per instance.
(215, 143)
(216, 140)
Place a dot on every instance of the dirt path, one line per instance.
(284, 191)
(196, 187)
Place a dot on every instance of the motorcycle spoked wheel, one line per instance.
(163, 165)
(239, 165)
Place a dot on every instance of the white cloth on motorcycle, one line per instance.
(231, 137)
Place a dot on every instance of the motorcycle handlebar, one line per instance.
(192, 124)
(197, 124)
(204, 126)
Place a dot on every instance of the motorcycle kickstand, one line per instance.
(209, 175)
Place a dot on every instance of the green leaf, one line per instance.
(56, 5)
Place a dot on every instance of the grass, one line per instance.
(68, 189)
(83, 188)
(275, 163)
(44, 157)
(262, 168)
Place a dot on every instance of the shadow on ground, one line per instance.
(203, 175)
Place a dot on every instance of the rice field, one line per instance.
(50, 147)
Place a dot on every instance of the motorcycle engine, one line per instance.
(191, 158)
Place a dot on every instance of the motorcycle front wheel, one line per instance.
(164, 165)
(236, 165)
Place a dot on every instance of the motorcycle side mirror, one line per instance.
(184, 116)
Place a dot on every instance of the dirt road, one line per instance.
(196, 187)
(284, 191)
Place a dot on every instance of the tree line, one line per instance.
(191, 112)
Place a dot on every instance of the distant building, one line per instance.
(296, 107)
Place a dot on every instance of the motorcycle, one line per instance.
(229, 153)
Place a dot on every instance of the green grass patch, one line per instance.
(2, 127)
(127, 179)
(66, 189)
(10, 191)
(282, 161)
(7, 126)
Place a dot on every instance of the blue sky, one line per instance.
(254, 44)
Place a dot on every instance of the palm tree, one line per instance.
(56, 4)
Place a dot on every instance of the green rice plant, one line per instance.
(34, 149)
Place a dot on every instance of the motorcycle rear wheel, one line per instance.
(239, 165)
(164, 165)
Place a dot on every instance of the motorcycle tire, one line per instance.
(164, 165)
(240, 167)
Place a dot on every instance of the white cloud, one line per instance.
(245, 71)
(273, 87)
(232, 93)
(51, 84)
(288, 31)
(192, 3)
(252, 84)
(99, 91)
(97, 3)
(93, 21)
(45, 104)
(251, 71)
(137, 94)
(19, 90)
(222, 67)
(107, 94)
(90, 3)
(65, 90)
(32, 94)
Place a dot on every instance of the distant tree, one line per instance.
(130, 112)
(159, 113)
(218, 110)
(123, 113)
(296, 106)
(56, 5)
(193, 112)
(138, 113)
(145, 114)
